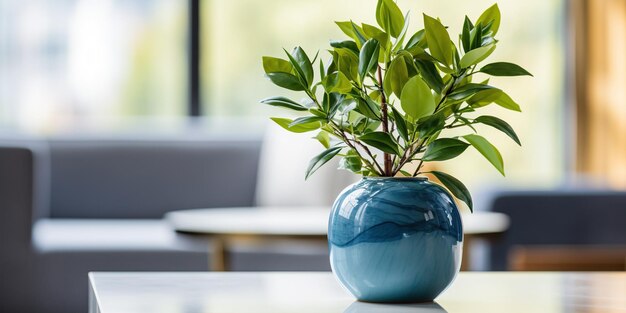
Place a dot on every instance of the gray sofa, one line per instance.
(73, 205)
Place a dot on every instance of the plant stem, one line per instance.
(418, 168)
(385, 121)
(408, 158)
(373, 167)
(369, 153)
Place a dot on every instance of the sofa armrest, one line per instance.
(16, 198)
(17, 269)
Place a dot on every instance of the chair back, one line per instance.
(561, 219)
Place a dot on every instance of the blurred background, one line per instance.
(114, 113)
(113, 65)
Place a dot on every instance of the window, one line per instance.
(237, 33)
(84, 62)
(79, 62)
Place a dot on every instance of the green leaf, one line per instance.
(417, 40)
(417, 100)
(276, 65)
(382, 141)
(487, 40)
(405, 173)
(315, 58)
(368, 107)
(499, 125)
(476, 37)
(421, 54)
(456, 187)
(366, 125)
(347, 63)
(485, 97)
(444, 149)
(433, 137)
(347, 44)
(334, 101)
(400, 124)
(467, 91)
(332, 65)
(301, 128)
(321, 159)
(504, 69)
(476, 55)
(430, 74)
(430, 125)
(389, 17)
(285, 103)
(465, 35)
(488, 150)
(396, 77)
(337, 82)
(486, 28)
(438, 40)
(376, 33)
(325, 102)
(368, 57)
(345, 106)
(506, 102)
(324, 138)
(491, 15)
(285, 80)
(456, 56)
(358, 32)
(409, 60)
(348, 27)
(351, 162)
(375, 95)
(306, 120)
(299, 71)
(305, 64)
(317, 112)
(398, 44)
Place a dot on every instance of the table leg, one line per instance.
(465, 259)
(219, 256)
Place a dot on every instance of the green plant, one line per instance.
(378, 93)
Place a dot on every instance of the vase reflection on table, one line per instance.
(360, 307)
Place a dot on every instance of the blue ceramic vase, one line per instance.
(395, 239)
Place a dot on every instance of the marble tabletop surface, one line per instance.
(303, 292)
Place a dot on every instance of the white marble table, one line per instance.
(226, 226)
(320, 293)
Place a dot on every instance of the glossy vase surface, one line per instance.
(395, 239)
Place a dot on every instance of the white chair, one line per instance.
(283, 162)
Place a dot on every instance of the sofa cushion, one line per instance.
(92, 235)
(147, 178)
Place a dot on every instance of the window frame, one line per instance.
(193, 46)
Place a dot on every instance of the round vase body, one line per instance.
(395, 239)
